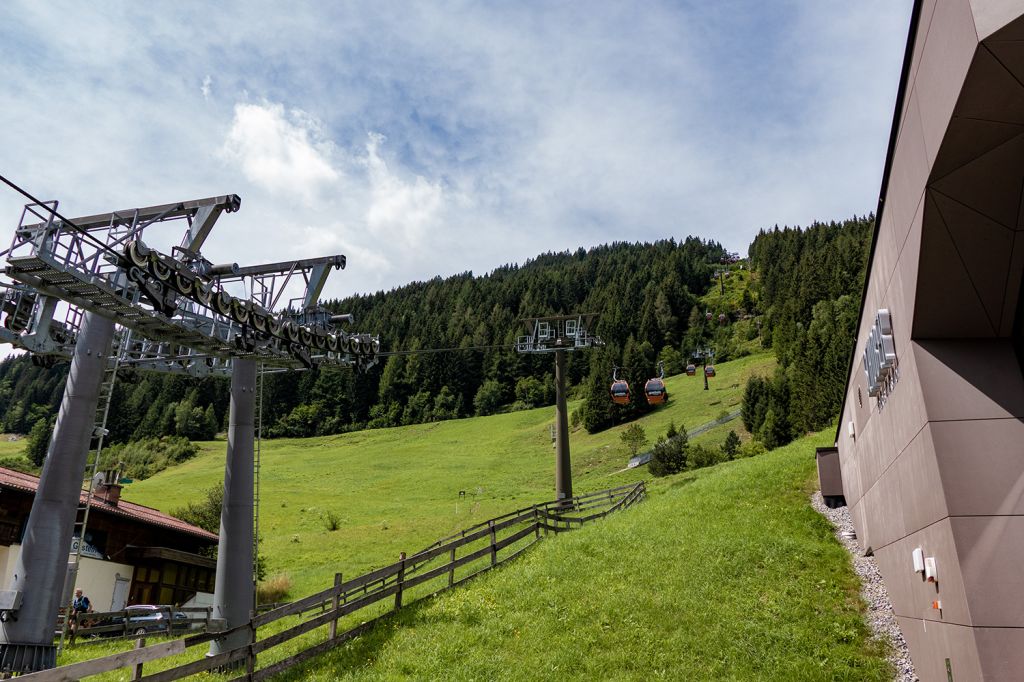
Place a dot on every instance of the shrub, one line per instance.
(18, 464)
(38, 441)
(143, 458)
(731, 445)
(489, 398)
(633, 437)
(274, 590)
(668, 457)
(750, 449)
(699, 456)
(331, 521)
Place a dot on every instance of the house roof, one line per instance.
(9, 478)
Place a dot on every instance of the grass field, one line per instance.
(397, 489)
(723, 574)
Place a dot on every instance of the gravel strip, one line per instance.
(880, 616)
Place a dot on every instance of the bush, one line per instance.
(274, 590)
(699, 456)
(331, 521)
(19, 464)
(633, 437)
(38, 441)
(668, 457)
(731, 445)
(750, 449)
(489, 398)
(143, 458)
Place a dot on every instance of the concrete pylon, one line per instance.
(234, 590)
(563, 467)
(26, 635)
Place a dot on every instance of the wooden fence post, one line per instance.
(250, 654)
(137, 668)
(399, 580)
(334, 606)
(494, 549)
(451, 568)
(209, 616)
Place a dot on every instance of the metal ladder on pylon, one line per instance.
(256, 486)
(106, 396)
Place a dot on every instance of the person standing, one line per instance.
(79, 605)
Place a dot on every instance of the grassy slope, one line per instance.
(724, 573)
(397, 489)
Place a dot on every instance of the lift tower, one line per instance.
(559, 334)
(78, 284)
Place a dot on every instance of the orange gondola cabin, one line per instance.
(620, 392)
(655, 391)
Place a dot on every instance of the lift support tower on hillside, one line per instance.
(560, 334)
(90, 289)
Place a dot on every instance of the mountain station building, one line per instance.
(931, 435)
(132, 554)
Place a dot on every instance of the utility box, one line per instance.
(830, 477)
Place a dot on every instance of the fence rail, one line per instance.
(522, 528)
(167, 620)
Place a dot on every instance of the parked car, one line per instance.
(146, 618)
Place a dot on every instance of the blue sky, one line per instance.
(433, 138)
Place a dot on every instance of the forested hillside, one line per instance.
(645, 295)
(804, 284)
(811, 282)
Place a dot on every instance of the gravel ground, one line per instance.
(880, 616)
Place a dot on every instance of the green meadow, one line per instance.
(724, 573)
(397, 489)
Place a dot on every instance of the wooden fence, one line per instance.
(476, 549)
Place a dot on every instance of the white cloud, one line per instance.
(283, 154)
(404, 210)
(511, 129)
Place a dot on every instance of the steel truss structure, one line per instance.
(558, 334)
(187, 314)
(76, 281)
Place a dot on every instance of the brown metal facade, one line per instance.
(936, 462)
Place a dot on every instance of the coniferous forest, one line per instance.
(806, 290)
(644, 294)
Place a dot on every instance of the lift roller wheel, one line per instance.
(137, 253)
(158, 268)
(222, 303)
(203, 293)
(184, 283)
(239, 311)
(260, 321)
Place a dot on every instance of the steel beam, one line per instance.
(26, 636)
(563, 468)
(233, 591)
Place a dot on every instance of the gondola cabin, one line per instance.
(691, 370)
(620, 392)
(655, 391)
(722, 318)
(709, 371)
(707, 316)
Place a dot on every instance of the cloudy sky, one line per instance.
(433, 138)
